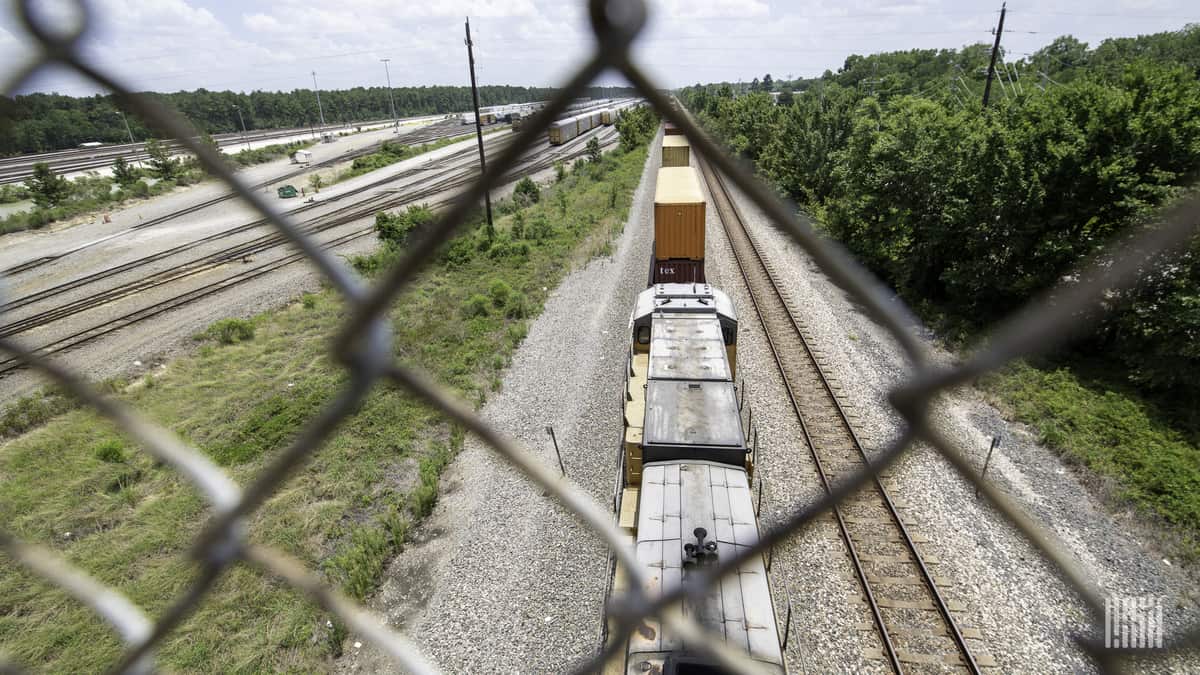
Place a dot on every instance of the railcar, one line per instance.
(686, 472)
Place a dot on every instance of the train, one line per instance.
(684, 494)
(603, 114)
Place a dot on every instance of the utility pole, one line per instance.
(130, 132)
(243, 121)
(987, 87)
(395, 122)
(487, 198)
(320, 111)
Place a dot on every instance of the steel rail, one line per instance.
(743, 244)
(463, 177)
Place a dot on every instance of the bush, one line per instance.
(540, 229)
(396, 228)
(526, 192)
(229, 331)
(476, 305)
(518, 225)
(516, 306)
(560, 171)
(110, 451)
(499, 292)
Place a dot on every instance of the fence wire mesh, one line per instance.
(364, 347)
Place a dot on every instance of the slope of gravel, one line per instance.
(501, 578)
(1025, 611)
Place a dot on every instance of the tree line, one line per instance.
(45, 122)
(968, 212)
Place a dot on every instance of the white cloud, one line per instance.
(683, 10)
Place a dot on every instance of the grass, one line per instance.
(77, 486)
(392, 152)
(1116, 434)
(93, 194)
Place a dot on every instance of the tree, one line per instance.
(767, 83)
(45, 187)
(162, 163)
(316, 182)
(526, 192)
(394, 229)
(123, 173)
(593, 149)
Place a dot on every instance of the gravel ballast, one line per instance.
(1026, 613)
(502, 578)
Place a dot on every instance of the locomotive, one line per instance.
(684, 494)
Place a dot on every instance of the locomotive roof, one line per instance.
(681, 298)
(688, 348)
(676, 498)
(692, 413)
(677, 185)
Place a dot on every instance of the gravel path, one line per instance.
(502, 578)
(1026, 613)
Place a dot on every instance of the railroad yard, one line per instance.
(92, 291)
(656, 344)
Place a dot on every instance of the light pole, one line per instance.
(320, 111)
(244, 139)
(130, 132)
(391, 101)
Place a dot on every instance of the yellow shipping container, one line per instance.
(676, 151)
(678, 215)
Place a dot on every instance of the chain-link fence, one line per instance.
(365, 348)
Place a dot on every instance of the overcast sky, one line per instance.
(168, 45)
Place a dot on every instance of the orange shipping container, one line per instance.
(678, 215)
(676, 151)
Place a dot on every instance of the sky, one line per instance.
(243, 45)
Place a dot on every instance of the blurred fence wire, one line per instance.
(364, 347)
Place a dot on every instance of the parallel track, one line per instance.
(448, 180)
(433, 132)
(915, 623)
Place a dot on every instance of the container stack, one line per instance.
(679, 212)
(676, 151)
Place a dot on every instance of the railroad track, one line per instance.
(915, 623)
(433, 132)
(18, 168)
(542, 158)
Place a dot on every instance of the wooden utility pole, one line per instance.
(987, 87)
(487, 198)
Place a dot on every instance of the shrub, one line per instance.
(526, 192)
(309, 300)
(560, 171)
(229, 331)
(516, 306)
(476, 305)
(110, 451)
(499, 291)
(540, 229)
(396, 228)
(518, 225)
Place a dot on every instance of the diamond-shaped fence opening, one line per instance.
(364, 347)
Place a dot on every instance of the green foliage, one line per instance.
(636, 127)
(44, 122)
(1113, 433)
(32, 411)
(395, 229)
(593, 149)
(112, 451)
(46, 188)
(476, 306)
(13, 193)
(499, 292)
(315, 181)
(560, 171)
(123, 173)
(164, 166)
(526, 192)
(230, 331)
